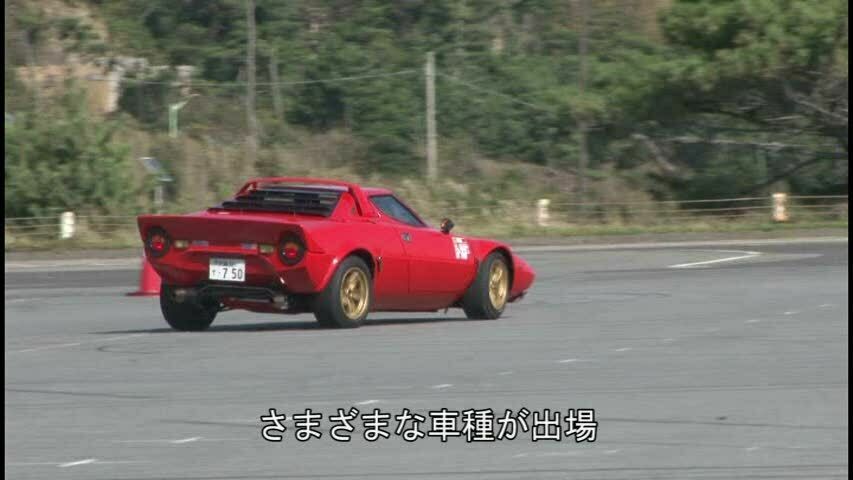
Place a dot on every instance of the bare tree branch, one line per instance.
(785, 174)
(659, 157)
(800, 100)
(767, 145)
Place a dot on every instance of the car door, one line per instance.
(441, 265)
(391, 278)
(439, 262)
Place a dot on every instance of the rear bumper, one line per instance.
(190, 268)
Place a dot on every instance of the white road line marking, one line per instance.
(668, 340)
(143, 441)
(17, 300)
(753, 320)
(233, 439)
(611, 452)
(570, 453)
(663, 245)
(442, 386)
(186, 440)
(623, 349)
(568, 360)
(75, 344)
(78, 462)
(46, 347)
(367, 402)
(507, 372)
(746, 254)
(89, 461)
(255, 420)
(826, 305)
(792, 312)
(752, 448)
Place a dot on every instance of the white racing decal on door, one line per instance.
(460, 246)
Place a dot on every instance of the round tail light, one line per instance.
(158, 242)
(291, 249)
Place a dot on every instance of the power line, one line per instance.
(240, 84)
(493, 92)
(327, 80)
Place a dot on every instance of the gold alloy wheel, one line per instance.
(498, 284)
(355, 293)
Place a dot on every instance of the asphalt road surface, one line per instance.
(701, 363)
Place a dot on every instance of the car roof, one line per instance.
(371, 191)
(314, 186)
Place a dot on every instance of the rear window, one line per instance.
(286, 199)
(392, 207)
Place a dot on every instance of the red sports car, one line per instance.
(294, 245)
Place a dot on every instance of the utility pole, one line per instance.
(432, 147)
(251, 119)
(583, 46)
(277, 103)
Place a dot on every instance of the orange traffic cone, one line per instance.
(149, 280)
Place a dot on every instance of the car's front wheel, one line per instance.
(486, 297)
(186, 315)
(346, 300)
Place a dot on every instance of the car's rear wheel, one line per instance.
(187, 315)
(346, 300)
(486, 297)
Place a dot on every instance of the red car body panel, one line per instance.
(415, 268)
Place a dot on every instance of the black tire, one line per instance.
(328, 305)
(186, 316)
(477, 302)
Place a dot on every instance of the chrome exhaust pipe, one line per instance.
(280, 302)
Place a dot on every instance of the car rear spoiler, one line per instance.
(365, 208)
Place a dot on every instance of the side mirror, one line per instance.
(446, 225)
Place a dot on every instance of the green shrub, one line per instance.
(64, 159)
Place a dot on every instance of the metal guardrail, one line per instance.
(65, 226)
(544, 213)
(776, 208)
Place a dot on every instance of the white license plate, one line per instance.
(228, 269)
